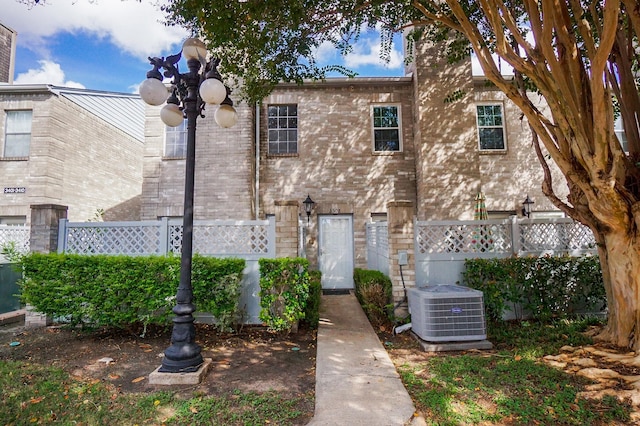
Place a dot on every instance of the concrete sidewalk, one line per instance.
(356, 382)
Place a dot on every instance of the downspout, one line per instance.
(257, 163)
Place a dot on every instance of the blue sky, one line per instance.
(104, 44)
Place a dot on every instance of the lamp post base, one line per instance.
(183, 356)
(159, 378)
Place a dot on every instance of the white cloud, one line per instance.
(48, 73)
(367, 53)
(135, 27)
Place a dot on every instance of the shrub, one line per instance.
(119, 291)
(544, 287)
(312, 309)
(284, 290)
(374, 292)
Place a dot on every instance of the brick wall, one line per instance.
(336, 164)
(450, 168)
(7, 54)
(75, 159)
(224, 169)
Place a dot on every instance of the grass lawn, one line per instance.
(510, 385)
(34, 394)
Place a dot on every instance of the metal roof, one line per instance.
(121, 110)
(124, 111)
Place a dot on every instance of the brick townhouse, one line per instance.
(355, 146)
(72, 147)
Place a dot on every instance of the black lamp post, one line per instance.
(190, 92)
(308, 206)
(526, 207)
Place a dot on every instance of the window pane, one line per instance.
(387, 140)
(17, 134)
(18, 121)
(17, 145)
(491, 138)
(176, 140)
(282, 125)
(490, 127)
(386, 130)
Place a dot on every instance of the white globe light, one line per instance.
(194, 48)
(153, 91)
(226, 116)
(171, 115)
(212, 91)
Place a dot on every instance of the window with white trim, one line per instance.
(282, 124)
(618, 127)
(491, 132)
(386, 128)
(17, 134)
(175, 142)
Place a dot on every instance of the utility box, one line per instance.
(447, 313)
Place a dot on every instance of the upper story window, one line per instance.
(386, 128)
(491, 134)
(17, 135)
(283, 129)
(622, 137)
(175, 144)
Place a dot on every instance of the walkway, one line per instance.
(356, 382)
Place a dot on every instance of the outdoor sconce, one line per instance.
(308, 206)
(526, 207)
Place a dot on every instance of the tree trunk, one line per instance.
(620, 262)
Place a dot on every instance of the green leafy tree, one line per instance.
(580, 56)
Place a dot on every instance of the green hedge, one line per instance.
(118, 291)
(284, 290)
(543, 287)
(374, 292)
(312, 310)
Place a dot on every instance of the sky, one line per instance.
(104, 44)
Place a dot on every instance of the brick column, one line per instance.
(43, 239)
(400, 215)
(44, 227)
(287, 228)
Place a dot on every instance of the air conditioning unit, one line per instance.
(447, 313)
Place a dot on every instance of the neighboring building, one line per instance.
(7, 53)
(78, 148)
(353, 146)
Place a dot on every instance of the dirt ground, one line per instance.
(250, 360)
(256, 360)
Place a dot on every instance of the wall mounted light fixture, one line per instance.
(308, 206)
(526, 207)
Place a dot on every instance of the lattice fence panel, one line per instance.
(128, 240)
(224, 239)
(17, 234)
(463, 237)
(538, 237)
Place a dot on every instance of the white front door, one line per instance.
(336, 251)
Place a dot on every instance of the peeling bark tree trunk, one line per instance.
(620, 261)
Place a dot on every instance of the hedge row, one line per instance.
(543, 287)
(119, 291)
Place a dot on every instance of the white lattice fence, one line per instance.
(442, 246)
(218, 238)
(378, 247)
(463, 237)
(127, 238)
(556, 236)
(225, 238)
(15, 234)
